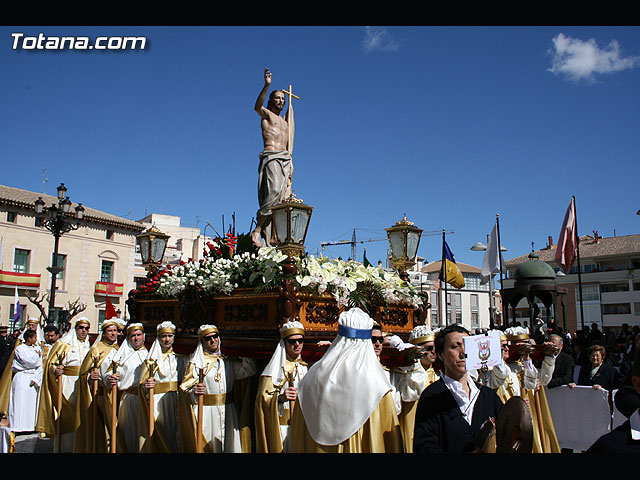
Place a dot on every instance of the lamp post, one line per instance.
(481, 247)
(59, 220)
(404, 238)
(152, 243)
(291, 221)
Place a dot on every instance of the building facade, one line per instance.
(470, 306)
(97, 260)
(610, 279)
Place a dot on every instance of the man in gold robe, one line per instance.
(91, 433)
(121, 369)
(278, 391)
(62, 367)
(345, 402)
(162, 371)
(530, 383)
(211, 377)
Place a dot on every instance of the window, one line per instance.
(102, 316)
(616, 309)
(106, 271)
(590, 293)
(21, 260)
(614, 287)
(109, 235)
(12, 217)
(475, 323)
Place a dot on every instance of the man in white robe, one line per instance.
(63, 365)
(25, 387)
(162, 371)
(220, 421)
(127, 360)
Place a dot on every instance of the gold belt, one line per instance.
(164, 387)
(216, 399)
(132, 390)
(71, 371)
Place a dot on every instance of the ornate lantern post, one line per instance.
(152, 243)
(58, 220)
(291, 222)
(404, 238)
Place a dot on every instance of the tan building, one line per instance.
(610, 283)
(97, 259)
(468, 306)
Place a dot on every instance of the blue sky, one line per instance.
(448, 125)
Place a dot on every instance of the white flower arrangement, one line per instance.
(340, 278)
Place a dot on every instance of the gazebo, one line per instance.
(534, 280)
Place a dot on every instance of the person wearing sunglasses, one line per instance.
(211, 377)
(278, 391)
(62, 367)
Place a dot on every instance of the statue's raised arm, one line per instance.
(276, 168)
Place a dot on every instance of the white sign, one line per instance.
(482, 350)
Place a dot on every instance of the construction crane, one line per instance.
(354, 241)
(351, 242)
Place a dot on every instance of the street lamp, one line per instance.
(152, 243)
(481, 247)
(404, 238)
(58, 220)
(291, 222)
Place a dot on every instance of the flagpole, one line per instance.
(577, 239)
(444, 279)
(504, 317)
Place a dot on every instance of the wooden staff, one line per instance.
(152, 366)
(59, 406)
(290, 379)
(114, 408)
(199, 448)
(94, 404)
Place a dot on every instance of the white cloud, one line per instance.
(583, 60)
(379, 39)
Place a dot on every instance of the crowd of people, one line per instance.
(116, 395)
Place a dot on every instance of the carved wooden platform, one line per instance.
(249, 322)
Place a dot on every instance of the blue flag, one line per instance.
(450, 273)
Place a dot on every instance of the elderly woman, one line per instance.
(600, 375)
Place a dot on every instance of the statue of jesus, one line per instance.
(275, 170)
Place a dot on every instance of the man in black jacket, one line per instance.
(452, 410)
(563, 370)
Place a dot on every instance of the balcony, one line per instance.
(21, 280)
(109, 289)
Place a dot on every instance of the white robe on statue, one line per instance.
(23, 404)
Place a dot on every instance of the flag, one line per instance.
(492, 259)
(17, 310)
(111, 311)
(566, 250)
(452, 274)
(365, 261)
